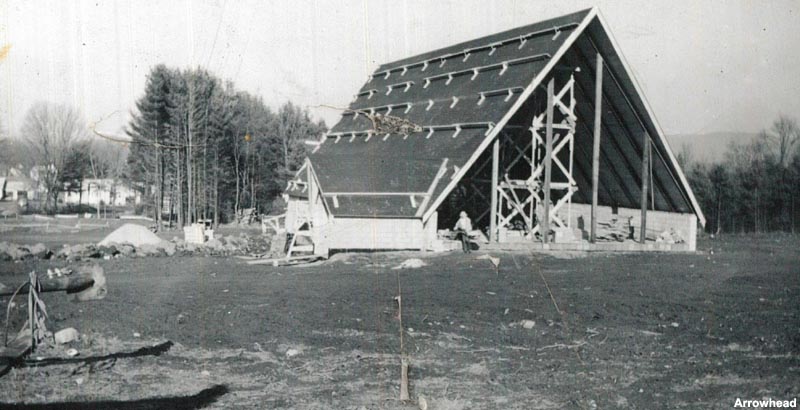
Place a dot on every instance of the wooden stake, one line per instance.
(645, 181)
(403, 363)
(404, 380)
(548, 162)
(598, 111)
(495, 169)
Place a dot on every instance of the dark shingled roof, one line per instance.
(459, 94)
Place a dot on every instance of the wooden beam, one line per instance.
(329, 194)
(495, 169)
(645, 181)
(429, 194)
(312, 195)
(598, 111)
(548, 161)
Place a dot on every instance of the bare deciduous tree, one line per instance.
(785, 134)
(51, 131)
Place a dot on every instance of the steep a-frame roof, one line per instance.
(463, 95)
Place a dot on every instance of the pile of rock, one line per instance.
(132, 242)
(15, 252)
(221, 246)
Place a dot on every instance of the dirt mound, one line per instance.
(132, 234)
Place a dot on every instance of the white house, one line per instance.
(105, 191)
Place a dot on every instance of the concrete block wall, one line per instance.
(371, 233)
(657, 221)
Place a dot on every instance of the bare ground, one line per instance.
(635, 331)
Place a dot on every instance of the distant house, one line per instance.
(103, 191)
(16, 188)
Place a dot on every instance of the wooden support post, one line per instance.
(312, 194)
(598, 110)
(548, 161)
(645, 184)
(495, 169)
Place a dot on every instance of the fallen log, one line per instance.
(88, 282)
(71, 284)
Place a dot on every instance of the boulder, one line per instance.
(109, 250)
(215, 244)
(65, 336)
(126, 249)
(169, 248)
(149, 250)
(40, 251)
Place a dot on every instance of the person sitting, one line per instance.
(463, 228)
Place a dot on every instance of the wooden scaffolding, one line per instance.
(527, 196)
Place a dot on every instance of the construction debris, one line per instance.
(615, 230)
(669, 236)
(389, 124)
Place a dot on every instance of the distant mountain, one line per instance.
(708, 148)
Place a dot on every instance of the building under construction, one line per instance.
(540, 133)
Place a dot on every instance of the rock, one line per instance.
(214, 244)
(108, 250)
(79, 249)
(72, 352)
(64, 252)
(412, 263)
(11, 251)
(169, 248)
(292, 352)
(67, 335)
(40, 251)
(148, 250)
(528, 324)
(126, 249)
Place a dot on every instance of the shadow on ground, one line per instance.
(197, 401)
(156, 350)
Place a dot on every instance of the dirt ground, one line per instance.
(636, 331)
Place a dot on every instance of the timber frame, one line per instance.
(518, 128)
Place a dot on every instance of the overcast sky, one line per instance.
(705, 66)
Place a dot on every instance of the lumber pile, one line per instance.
(615, 230)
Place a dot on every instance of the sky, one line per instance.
(704, 66)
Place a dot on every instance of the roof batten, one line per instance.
(475, 70)
(491, 46)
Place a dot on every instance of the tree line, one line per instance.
(205, 150)
(197, 148)
(756, 187)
